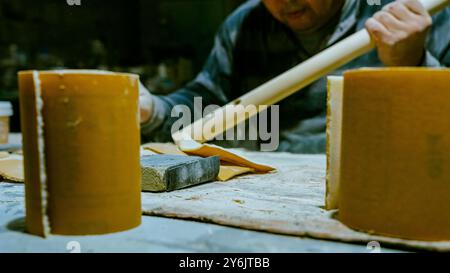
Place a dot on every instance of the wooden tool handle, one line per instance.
(434, 6)
(288, 83)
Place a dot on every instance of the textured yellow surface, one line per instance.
(91, 152)
(395, 168)
(194, 148)
(164, 148)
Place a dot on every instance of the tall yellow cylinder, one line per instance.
(81, 151)
(395, 152)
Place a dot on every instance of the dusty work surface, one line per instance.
(156, 234)
(289, 202)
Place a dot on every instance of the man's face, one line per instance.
(303, 15)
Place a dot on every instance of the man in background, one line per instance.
(264, 38)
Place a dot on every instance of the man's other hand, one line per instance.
(400, 30)
(145, 104)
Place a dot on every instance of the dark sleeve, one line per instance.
(446, 60)
(309, 137)
(438, 43)
(212, 85)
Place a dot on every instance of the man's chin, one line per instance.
(301, 24)
(303, 28)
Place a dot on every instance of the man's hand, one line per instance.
(400, 31)
(145, 103)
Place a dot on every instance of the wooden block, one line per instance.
(227, 170)
(173, 172)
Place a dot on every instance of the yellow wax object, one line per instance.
(227, 171)
(194, 148)
(334, 122)
(395, 167)
(81, 145)
(164, 148)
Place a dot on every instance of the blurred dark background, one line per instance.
(164, 41)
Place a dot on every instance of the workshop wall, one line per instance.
(165, 41)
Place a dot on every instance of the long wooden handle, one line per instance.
(287, 83)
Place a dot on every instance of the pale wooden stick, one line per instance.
(288, 83)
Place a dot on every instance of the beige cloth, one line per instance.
(232, 164)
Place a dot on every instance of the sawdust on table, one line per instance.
(290, 201)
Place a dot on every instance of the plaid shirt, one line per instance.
(251, 47)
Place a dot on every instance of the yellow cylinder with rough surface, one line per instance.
(395, 152)
(81, 151)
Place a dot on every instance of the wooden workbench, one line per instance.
(154, 235)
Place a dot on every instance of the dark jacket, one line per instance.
(251, 47)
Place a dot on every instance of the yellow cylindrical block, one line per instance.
(81, 151)
(395, 153)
